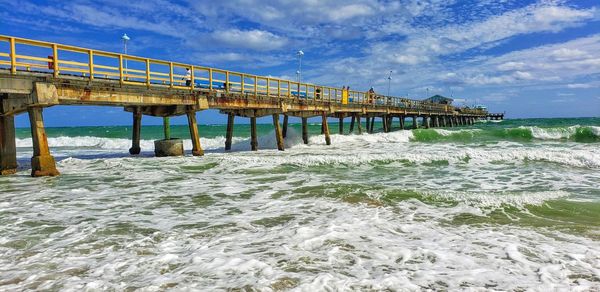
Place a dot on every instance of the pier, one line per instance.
(36, 74)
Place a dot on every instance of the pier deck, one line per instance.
(35, 75)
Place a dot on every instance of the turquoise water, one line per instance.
(510, 205)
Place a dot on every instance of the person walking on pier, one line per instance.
(187, 77)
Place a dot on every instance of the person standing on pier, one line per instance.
(188, 77)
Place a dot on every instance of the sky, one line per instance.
(527, 58)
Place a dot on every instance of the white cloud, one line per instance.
(579, 85)
(251, 39)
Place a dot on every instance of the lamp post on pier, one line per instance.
(125, 39)
(389, 82)
(300, 54)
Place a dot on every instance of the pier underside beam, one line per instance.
(194, 135)
(8, 149)
(278, 134)
(136, 132)
(229, 134)
(42, 163)
(326, 129)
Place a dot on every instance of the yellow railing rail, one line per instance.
(58, 59)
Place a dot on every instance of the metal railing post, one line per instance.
(91, 63)
(121, 68)
(227, 81)
(192, 81)
(13, 56)
(210, 78)
(148, 73)
(55, 61)
(171, 74)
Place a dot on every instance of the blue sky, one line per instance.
(528, 58)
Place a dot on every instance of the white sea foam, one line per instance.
(311, 218)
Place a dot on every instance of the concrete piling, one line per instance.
(42, 163)
(194, 134)
(372, 124)
(285, 126)
(325, 127)
(305, 130)
(359, 124)
(278, 133)
(229, 133)
(368, 124)
(352, 120)
(136, 132)
(341, 125)
(414, 122)
(253, 135)
(8, 148)
(426, 123)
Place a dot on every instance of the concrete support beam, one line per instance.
(253, 134)
(384, 122)
(352, 121)
(414, 122)
(372, 124)
(229, 133)
(341, 124)
(193, 125)
(359, 124)
(368, 124)
(426, 123)
(8, 148)
(136, 132)
(326, 129)
(402, 122)
(285, 126)
(42, 163)
(278, 134)
(305, 130)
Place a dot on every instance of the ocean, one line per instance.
(509, 205)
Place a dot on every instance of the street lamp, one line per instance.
(389, 82)
(125, 39)
(299, 72)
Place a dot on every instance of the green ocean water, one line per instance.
(510, 205)
(513, 129)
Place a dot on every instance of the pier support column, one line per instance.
(253, 136)
(368, 124)
(285, 126)
(341, 125)
(386, 126)
(194, 135)
(305, 130)
(278, 134)
(414, 121)
(42, 163)
(136, 131)
(352, 120)
(426, 122)
(326, 129)
(229, 134)
(8, 148)
(359, 124)
(372, 124)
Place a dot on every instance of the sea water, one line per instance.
(511, 205)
